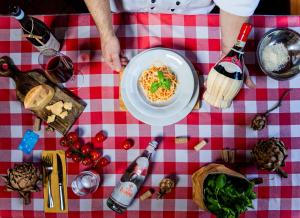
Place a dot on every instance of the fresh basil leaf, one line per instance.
(154, 87)
(220, 181)
(167, 83)
(160, 75)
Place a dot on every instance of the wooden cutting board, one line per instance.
(25, 81)
(61, 94)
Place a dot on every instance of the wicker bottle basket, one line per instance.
(199, 177)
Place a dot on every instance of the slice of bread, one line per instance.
(38, 97)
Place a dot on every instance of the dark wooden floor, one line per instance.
(78, 6)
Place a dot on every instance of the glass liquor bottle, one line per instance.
(35, 30)
(131, 181)
(226, 78)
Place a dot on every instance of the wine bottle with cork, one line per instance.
(226, 78)
(35, 30)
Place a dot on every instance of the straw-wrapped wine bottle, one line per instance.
(226, 78)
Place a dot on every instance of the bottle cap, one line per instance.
(17, 12)
(244, 32)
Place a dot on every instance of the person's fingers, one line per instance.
(248, 79)
(124, 61)
(116, 62)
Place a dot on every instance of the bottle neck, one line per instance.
(17, 12)
(239, 46)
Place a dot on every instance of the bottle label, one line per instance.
(230, 67)
(51, 44)
(124, 193)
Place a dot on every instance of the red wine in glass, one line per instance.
(60, 68)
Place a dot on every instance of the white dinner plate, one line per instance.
(158, 56)
(168, 120)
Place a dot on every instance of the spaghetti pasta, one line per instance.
(150, 76)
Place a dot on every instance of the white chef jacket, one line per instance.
(236, 7)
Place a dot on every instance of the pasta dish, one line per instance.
(158, 83)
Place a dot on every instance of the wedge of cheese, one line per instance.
(38, 97)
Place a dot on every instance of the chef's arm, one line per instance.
(100, 11)
(230, 28)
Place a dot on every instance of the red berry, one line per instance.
(69, 153)
(100, 136)
(95, 155)
(127, 144)
(76, 146)
(87, 161)
(72, 137)
(103, 162)
(64, 142)
(76, 158)
(85, 149)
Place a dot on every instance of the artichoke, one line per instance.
(270, 155)
(24, 179)
(259, 122)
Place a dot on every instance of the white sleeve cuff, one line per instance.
(243, 8)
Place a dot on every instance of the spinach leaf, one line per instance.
(226, 196)
(220, 181)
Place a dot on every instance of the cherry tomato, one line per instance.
(100, 136)
(127, 144)
(63, 142)
(76, 158)
(85, 149)
(76, 146)
(69, 153)
(95, 155)
(103, 162)
(72, 137)
(87, 161)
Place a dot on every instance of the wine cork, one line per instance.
(200, 145)
(146, 195)
(37, 124)
(181, 140)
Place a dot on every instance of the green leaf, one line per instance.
(211, 183)
(212, 200)
(166, 84)
(213, 208)
(160, 75)
(220, 181)
(154, 87)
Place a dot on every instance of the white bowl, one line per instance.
(143, 61)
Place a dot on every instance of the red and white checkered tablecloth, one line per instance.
(196, 37)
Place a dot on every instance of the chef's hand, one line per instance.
(248, 81)
(111, 52)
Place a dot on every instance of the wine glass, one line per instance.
(59, 68)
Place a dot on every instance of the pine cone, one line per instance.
(23, 178)
(270, 155)
(259, 122)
